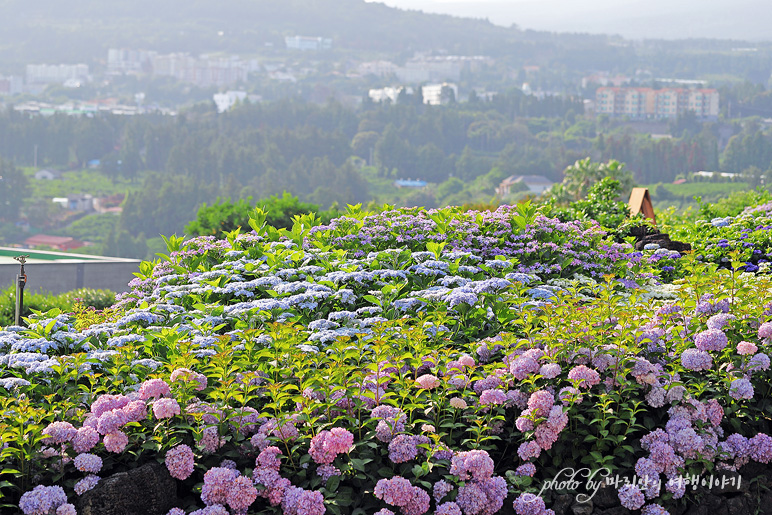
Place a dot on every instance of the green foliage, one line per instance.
(583, 174)
(65, 302)
(226, 216)
(14, 188)
(87, 314)
(95, 228)
(734, 204)
(602, 204)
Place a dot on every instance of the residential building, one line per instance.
(76, 202)
(126, 60)
(536, 184)
(56, 73)
(377, 68)
(226, 101)
(12, 85)
(48, 175)
(439, 68)
(62, 243)
(307, 43)
(605, 79)
(109, 204)
(642, 103)
(439, 94)
(389, 93)
(410, 183)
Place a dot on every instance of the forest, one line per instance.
(329, 155)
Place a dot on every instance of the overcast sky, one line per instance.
(736, 19)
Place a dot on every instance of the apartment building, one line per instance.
(642, 103)
(56, 73)
(307, 43)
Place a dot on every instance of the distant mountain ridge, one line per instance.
(55, 31)
(637, 19)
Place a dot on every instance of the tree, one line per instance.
(14, 188)
(582, 175)
(364, 143)
(450, 187)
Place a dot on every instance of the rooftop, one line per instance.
(8, 253)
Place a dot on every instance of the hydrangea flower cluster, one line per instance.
(398, 491)
(326, 445)
(180, 461)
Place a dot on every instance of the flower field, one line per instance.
(406, 362)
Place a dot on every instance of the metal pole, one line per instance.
(21, 280)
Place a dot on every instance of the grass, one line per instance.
(93, 182)
(681, 196)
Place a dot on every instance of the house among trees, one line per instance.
(48, 175)
(410, 183)
(81, 202)
(62, 243)
(537, 184)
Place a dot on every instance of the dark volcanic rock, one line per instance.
(147, 490)
(664, 241)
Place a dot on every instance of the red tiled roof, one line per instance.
(44, 239)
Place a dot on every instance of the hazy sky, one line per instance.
(738, 19)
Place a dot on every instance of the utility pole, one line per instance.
(36, 158)
(21, 280)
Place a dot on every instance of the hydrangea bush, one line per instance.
(343, 369)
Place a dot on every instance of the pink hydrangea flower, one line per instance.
(135, 411)
(241, 494)
(493, 397)
(528, 450)
(59, 432)
(540, 403)
(66, 509)
(111, 421)
(398, 491)
(327, 471)
(116, 442)
(165, 408)
(188, 376)
(711, 340)
(458, 403)
(428, 382)
(217, 482)
(85, 439)
(154, 388)
(105, 403)
(475, 464)
(441, 489)
(550, 370)
(631, 497)
(529, 504)
(269, 458)
(467, 360)
(86, 484)
(326, 445)
(448, 508)
(584, 376)
(180, 461)
(41, 500)
(210, 440)
(745, 348)
(88, 463)
(298, 501)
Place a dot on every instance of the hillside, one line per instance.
(635, 19)
(50, 31)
